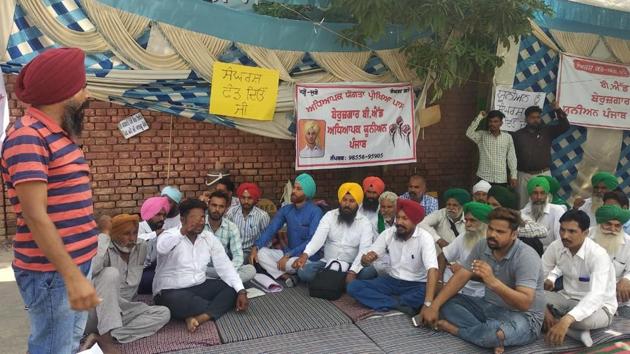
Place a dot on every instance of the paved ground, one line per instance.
(14, 325)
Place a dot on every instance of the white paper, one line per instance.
(133, 125)
(94, 350)
(513, 104)
(266, 283)
(254, 292)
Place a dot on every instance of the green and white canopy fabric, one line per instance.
(158, 54)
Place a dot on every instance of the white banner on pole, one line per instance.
(4, 108)
(352, 125)
(594, 93)
(513, 104)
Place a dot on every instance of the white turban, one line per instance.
(481, 186)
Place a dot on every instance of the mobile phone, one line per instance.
(417, 320)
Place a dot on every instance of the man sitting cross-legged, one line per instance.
(457, 252)
(413, 273)
(117, 269)
(587, 300)
(227, 232)
(344, 234)
(610, 235)
(180, 278)
(512, 309)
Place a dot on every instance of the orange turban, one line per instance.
(374, 182)
(121, 222)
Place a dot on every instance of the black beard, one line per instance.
(171, 213)
(401, 236)
(370, 204)
(155, 226)
(72, 121)
(346, 216)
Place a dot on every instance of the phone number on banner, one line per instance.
(356, 157)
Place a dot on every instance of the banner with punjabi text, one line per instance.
(594, 93)
(353, 125)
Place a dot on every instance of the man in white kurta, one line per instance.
(602, 182)
(447, 223)
(588, 299)
(609, 234)
(413, 275)
(117, 269)
(344, 234)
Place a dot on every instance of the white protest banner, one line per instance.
(351, 125)
(133, 125)
(4, 108)
(513, 104)
(594, 93)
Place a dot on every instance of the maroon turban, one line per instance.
(413, 210)
(374, 182)
(253, 190)
(52, 77)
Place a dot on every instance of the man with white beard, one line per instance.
(618, 197)
(456, 253)
(609, 234)
(541, 211)
(602, 183)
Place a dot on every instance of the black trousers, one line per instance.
(212, 297)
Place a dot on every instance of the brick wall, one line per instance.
(125, 172)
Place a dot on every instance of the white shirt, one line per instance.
(588, 276)
(586, 207)
(438, 225)
(182, 264)
(372, 217)
(145, 232)
(621, 261)
(410, 259)
(307, 152)
(550, 219)
(340, 241)
(170, 223)
(456, 252)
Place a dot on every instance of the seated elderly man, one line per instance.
(454, 255)
(602, 183)
(227, 232)
(618, 198)
(180, 278)
(480, 191)
(117, 269)
(413, 275)
(386, 219)
(609, 234)
(541, 210)
(344, 234)
(447, 223)
(512, 308)
(587, 300)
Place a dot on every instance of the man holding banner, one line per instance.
(533, 146)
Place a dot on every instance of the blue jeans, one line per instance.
(378, 294)
(478, 322)
(55, 327)
(310, 269)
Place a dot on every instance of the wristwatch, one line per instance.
(427, 303)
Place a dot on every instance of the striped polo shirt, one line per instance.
(37, 149)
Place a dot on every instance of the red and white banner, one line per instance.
(594, 93)
(351, 125)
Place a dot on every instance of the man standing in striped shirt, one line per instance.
(48, 183)
(496, 150)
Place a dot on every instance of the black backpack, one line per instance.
(328, 284)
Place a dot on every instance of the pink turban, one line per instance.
(152, 206)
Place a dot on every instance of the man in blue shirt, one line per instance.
(301, 217)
